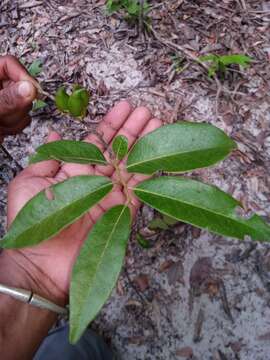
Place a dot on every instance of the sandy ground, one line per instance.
(193, 295)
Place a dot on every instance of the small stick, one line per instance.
(141, 17)
(225, 302)
(176, 110)
(142, 298)
(198, 327)
(219, 90)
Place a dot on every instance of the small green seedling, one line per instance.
(143, 242)
(74, 104)
(220, 64)
(38, 105)
(174, 148)
(35, 68)
(162, 223)
(131, 7)
(178, 63)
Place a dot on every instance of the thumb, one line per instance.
(16, 97)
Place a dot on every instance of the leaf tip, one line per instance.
(74, 336)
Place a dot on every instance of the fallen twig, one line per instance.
(197, 337)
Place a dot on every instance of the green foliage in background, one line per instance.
(220, 64)
(131, 7)
(175, 148)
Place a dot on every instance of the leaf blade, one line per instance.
(35, 68)
(120, 147)
(41, 218)
(179, 147)
(239, 59)
(38, 104)
(61, 99)
(109, 239)
(200, 205)
(69, 151)
(78, 102)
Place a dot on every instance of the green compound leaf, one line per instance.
(120, 147)
(69, 151)
(179, 147)
(97, 268)
(42, 218)
(78, 102)
(201, 205)
(61, 99)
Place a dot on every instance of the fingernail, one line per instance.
(25, 89)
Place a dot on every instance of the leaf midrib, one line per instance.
(245, 223)
(63, 208)
(102, 255)
(119, 149)
(178, 153)
(76, 158)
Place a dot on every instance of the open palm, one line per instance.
(56, 256)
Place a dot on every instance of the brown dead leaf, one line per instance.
(201, 274)
(142, 282)
(166, 265)
(264, 337)
(185, 352)
(176, 273)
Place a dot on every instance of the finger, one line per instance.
(12, 69)
(53, 136)
(111, 124)
(15, 98)
(131, 130)
(71, 169)
(48, 168)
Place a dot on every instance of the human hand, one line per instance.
(51, 261)
(17, 91)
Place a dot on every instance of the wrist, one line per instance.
(22, 323)
(18, 270)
